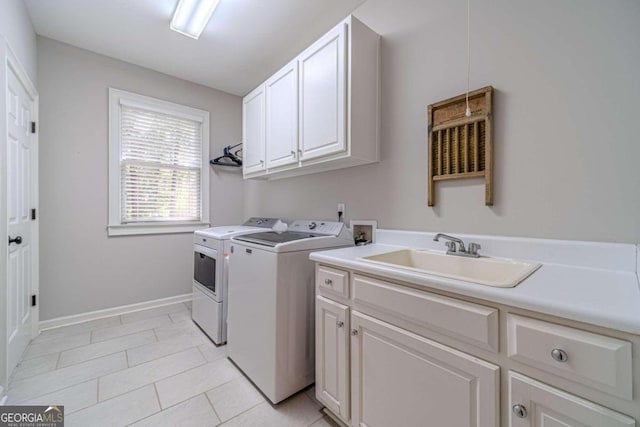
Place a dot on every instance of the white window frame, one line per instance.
(117, 98)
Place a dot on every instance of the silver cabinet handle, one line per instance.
(339, 323)
(559, 355)
(519, 411)
(293, 153)
(328, 282)
(354, 332)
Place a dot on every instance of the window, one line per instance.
(158, 166)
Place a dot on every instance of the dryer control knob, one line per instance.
(312, 225)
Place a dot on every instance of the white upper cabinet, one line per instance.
(282, 117)
(321, 110)
(253, 132)
(322, 96)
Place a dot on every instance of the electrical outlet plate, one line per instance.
(341, 208)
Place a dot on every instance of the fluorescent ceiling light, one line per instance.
(192, 16)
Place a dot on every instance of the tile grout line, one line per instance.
(97, 357)
(58, 361)
(55, 391)
(205, 361)
(171, 354)
(91, 341)
(205, 392)
(264, 402)
(160, 379)
(206, 396)
(75, 384)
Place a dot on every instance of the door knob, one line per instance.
(17, 240)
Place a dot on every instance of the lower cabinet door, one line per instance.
(536, 404)
(399, 378)
(332, 356)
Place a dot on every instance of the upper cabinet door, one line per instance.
(282, 117)
(253, 131)
(323, 96)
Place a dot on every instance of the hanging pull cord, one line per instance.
(468, 111)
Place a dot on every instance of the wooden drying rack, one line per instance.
(459, 146)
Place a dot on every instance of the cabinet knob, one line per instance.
(339, 323)
(328, 282)
(559, 355)
(262, 162)
(293, 153)
(519, 411)
(354, 332)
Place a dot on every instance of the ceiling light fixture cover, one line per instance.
(192, 16)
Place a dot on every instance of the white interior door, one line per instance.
(21, 192)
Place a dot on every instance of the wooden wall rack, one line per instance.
(459, 146)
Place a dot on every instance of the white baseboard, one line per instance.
(59, 322)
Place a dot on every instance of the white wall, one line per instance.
(81, 269)
(15, 26)
(566, 110)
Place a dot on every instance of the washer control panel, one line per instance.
(329, 228)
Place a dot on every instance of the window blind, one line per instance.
(160, 166)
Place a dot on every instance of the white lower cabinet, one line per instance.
(385, 357)
(399, 378)
(332, 356)
(534, 404)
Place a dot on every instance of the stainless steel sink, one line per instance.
(496, 272)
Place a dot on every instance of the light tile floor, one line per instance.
(149, 368)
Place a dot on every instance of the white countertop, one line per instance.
(603, 297)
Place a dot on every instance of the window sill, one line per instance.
(161, 228)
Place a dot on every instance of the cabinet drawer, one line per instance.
(535, 404)
(597, 361)
(332, 281)
(472, 323)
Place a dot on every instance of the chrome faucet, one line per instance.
(462, 251)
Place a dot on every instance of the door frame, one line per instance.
(10, 62)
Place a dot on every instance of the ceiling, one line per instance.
(245, 42)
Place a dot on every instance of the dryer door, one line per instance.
(205, 264)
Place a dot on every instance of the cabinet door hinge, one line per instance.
(33, 300)
(33, 214)
(33, 127)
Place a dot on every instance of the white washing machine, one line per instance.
(211, 273)
(271, 304)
